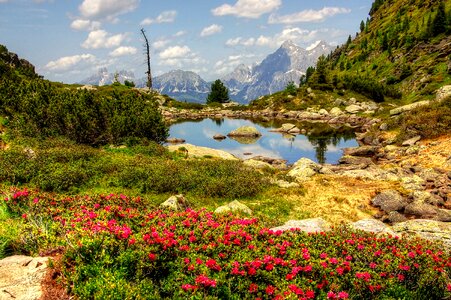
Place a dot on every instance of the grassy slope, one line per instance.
(426, 59)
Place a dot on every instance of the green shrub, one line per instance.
(40, 108)
(427, 121)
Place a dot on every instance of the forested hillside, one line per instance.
(402, 51)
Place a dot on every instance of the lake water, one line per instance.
(322, 143)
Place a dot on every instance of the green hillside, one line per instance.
(403, 46)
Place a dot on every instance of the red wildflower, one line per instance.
(270, 290)
(253, 288)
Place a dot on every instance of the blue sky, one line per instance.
(68, 40)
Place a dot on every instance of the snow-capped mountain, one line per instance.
(182, 85)
(103, 77)
(273, 74)
(245, 83)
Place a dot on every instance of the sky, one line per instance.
(69, 40)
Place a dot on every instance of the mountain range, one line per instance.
(245, 83)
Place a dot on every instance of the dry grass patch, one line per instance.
(337, 198)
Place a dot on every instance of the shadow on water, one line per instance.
(321, 142)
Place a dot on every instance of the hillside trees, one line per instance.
(219, 93)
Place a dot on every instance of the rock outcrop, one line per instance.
(21, 277)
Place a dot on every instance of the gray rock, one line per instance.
(245, 131)
(426, 197)
(286, 185)
(383, 127)
(353, 109)
(175, 141)
(411, 141)
(443, 215)
(177, 203)
(336, 111)
(21, 277)
(323, 112)
(427, 229)
(197, 151)
(399, 110)
(307, 225)
(443, 92)
(355, 160)
(257, 164)
(219, 137)
(395, 217)
(367, 151)
(303, 169)
(234, 206)
(389, 200)
(372, 225)
(420, 209)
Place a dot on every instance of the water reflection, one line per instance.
(322, 143)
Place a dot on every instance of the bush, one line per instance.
(40, 108)
(427, 121)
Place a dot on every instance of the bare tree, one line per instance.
(149, 74)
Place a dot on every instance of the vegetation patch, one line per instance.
(118, 247)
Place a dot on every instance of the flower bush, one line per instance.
(118, 247)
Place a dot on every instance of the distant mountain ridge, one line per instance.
(245, 83)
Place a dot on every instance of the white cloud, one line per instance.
(68, 62)
(175, 52)
(295, 34)
(210, 30)
(247, 8)
(80, 24)
(164, 17)
(106, 9)
(180, 33)
(180, 57)
(122, 51)
(160, 44)
(309, 15)
(102, 39)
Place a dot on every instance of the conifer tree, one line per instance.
(219, 93)
(439, 23)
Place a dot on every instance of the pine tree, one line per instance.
(439, 23)
(219, 93)
(362, 26)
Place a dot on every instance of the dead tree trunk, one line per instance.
(149, 74)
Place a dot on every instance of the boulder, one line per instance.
(395, 217)
(353, 109)
(21, 277)
(443, 215)
(427, 229)
(383, 127)
(303, 169)
(389, 200)
(426, 197)
(401, 109)
(177, 203)
(421, 209)
(287, 127)
(372, 225)
(443, 93)
(367, 151)
(323, 112)
(219, 137)
(355, 160)
(197, 151)
(286, 185)
(412, 141)
(234, 206)
(335, 111)
(257, 164)
(175, 141)
(307, 225)
(245, 131)
(245, 140)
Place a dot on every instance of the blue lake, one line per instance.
(321, 143)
